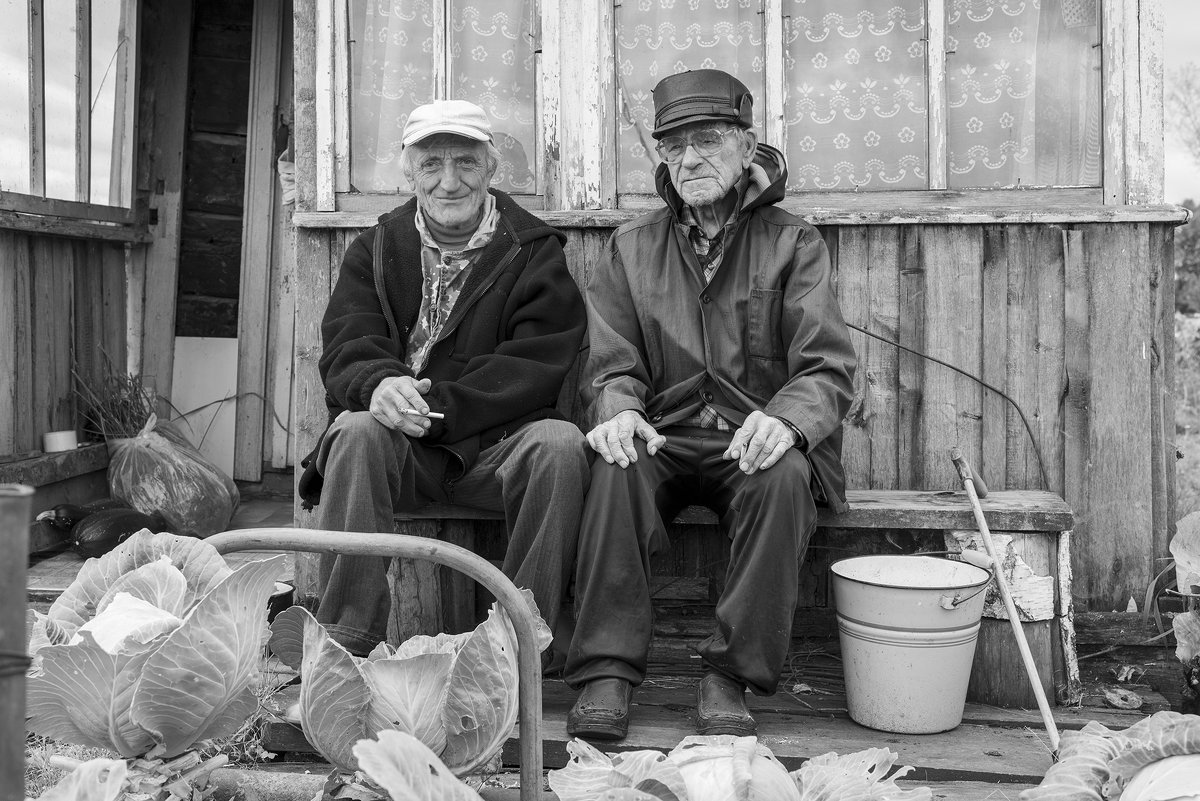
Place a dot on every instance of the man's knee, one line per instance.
(558, 443)
(360, 436)
(789, 475)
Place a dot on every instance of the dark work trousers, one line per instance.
(769, 517)
(537, 477)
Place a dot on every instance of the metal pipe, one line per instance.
(529, 664)
(15, 514)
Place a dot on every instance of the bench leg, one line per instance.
(1072, 689)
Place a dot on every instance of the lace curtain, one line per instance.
(1023, 93)
(490, 61)
(657, 38)
(855, 113)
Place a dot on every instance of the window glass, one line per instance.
(14, 96)
(1023, 90)
(59, 43)
(657, 38)
(489, 60)
(855, 116)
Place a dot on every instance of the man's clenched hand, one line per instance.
(614, 440)
(760, 442)
(401, 392)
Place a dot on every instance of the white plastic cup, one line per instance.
(56, 441)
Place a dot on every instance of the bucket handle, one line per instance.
(978, 559)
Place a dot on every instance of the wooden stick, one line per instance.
(964, 472)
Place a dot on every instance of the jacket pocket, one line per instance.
(764, 338)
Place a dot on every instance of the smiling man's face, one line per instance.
(705, 180)
(451, 177)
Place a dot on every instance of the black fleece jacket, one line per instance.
(505, 349)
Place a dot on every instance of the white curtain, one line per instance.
(490, 61)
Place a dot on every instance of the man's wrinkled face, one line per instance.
(451, 176)
(704, 180)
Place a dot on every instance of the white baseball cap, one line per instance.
(457, 117)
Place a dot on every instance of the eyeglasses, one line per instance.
(707, 142)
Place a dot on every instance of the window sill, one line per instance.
(40, 469)
(75, 228)
(881, 213)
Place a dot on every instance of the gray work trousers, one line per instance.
(537, 477)
(769, 518)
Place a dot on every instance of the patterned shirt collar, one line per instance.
(711, 250)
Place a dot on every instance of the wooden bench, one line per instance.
(1031, 528)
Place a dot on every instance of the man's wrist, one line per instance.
(801, 441)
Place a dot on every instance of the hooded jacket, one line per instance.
(502, 354)
(766, 334)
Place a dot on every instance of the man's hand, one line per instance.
(614, 440)
(760, 442)
(401, 392)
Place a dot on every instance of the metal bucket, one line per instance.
(908, 626)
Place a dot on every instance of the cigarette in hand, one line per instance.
(430, 415)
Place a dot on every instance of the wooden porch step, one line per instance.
(993, 746)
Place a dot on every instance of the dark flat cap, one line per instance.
(699, 95)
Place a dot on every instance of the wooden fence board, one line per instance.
(1118, 566)
(854, 297)
(950, 413)
(1048, 264)
(1161, 262)
(9, 306)
(883, 420)
(911, 368)
(998, 328)
(52, 298)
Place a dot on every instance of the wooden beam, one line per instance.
(164, 101)
(1147, 165)
(37, 99)
(258, 224)
(935, 70)
(548, 104)
(1118, 41)
(83, 100)
(304, 131)
(62, 226)
(774, 104)
(55, 207)
(341, 96)
(819, 215)
(325, 103)
(587, 152)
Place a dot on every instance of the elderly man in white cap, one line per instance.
(446, 341)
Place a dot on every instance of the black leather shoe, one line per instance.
(602, 710)
(721, 707)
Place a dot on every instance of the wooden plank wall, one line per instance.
(62, 307)
(1067, 320)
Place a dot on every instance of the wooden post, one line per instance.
(14, 534)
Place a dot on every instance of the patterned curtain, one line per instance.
(657, 38)
(1023, 92)
(491, 62)
(855, 112)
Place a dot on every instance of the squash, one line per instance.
(64, 516)
(100, 532)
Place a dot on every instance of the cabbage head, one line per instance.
(155, 646)
(457, 694)
(726, 768)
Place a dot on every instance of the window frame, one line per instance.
(581, 129)
(79, 216)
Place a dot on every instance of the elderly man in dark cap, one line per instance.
(446, 341)
(719, 373)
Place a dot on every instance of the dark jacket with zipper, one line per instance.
(766, 334)
(500, 359)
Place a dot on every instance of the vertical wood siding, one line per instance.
(1071, 322)
(62, 307)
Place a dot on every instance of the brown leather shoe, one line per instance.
(602, 710)
(721, 707)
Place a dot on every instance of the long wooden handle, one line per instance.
(965, 472)
(1011, 608)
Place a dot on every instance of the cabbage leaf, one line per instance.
(457, 693)
(405, 768)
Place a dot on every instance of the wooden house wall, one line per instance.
(62, 307)
(1072, 322)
